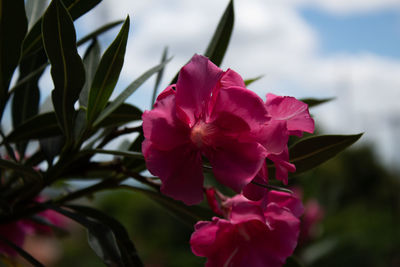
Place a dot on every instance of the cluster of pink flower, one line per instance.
(17, 231)
(210, 113)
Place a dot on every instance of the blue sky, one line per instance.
(373, 32)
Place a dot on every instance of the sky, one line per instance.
(347, 49)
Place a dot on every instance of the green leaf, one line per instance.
(252, 80)
(100, 237)
(187, 214)
(13, 27)
(34, 10)
(312, 102)
(159, 77)
(122, 115)
(51, 147)
(127, 248)
(41, 126)
(33, 41)
(107, 74)
(119, 100)
(130, 154)
(99, 31)
(313, 151)
(23, 170)
(219, 42)
(67, 69)
(90, 61)
(292, 262)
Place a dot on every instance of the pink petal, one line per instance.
(241, 103)
(179, 169)
(282, 165)
(273, 136)
(161, 125)
(195, 83)
(283, 199)
(235, 164)
(291, 110)
(253, 191)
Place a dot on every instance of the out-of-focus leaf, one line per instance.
(133, 164)
(127, 248)
(28, 257)
(13, 27)
(159, 77)
(90, 61)
(313, 151)
(52, 147)
(252, 80)
(312, 102)
(34, 10)
(41, 126)
(33, 41)
(23, 170)
(67, 69)
(99, 31)
(123, 114)
(292, 262)
(107, 74)
(119, 100)
(187, 214)
(136, 155)
(220, 40)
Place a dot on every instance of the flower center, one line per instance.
(202, 134)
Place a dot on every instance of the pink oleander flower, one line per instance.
(289, 116)
(208, 113)
(313, 215)
(253, 233)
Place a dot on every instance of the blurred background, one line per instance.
(345, 49)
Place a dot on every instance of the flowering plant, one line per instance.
(206, 120)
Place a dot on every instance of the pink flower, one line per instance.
(313, 215)
(207, 113)
(254, 233)
(289, 116)
(14, 232)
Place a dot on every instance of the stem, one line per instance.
(117, 133)
(273, 187)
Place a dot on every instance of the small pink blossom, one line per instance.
(253, 233)
(207, 113)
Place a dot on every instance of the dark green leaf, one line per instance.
(119, 100)
(127, 248)
(159, 77)
(188, 214)
(13, 27)
(136, 155)
(292, 262)
(41, 126)
(252, 80)
(23, 170)
(28, 257)
(220, 40)
(99, 31)
(133, 164)
(52, 147)
(313, 151)
(123, 114)
(91, 61)
(33, 41)
(67, 69)
(107, 74)
(312, 102)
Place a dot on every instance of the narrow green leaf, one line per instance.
(100, 237)
(187, 214)
(33, 41)
(13, 27)
(252, 80)
(28, 257)
(122, 115)
(23, 170)
(313, 151)
(67, 69)
(51, 147)
(130, 154)
(34, 10)
(91, 61)
(119, 100)
(292, 262)
(99, 31)
(107, 73)
(41, 126)
(127, 248)
(312, 102)
(219, 42)
(159, 77)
